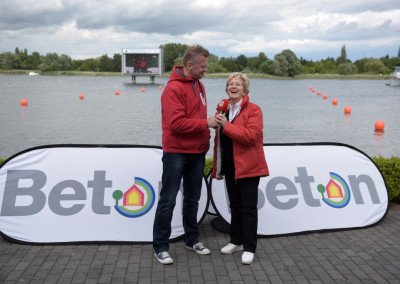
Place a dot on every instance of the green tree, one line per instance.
(230, 64)
(254, 63)
(343, 56)
(343, 53)
(326, 66)
(22, 59)
(360, 64)
(33, 60)
(171, 52)
(17, 59)
(375, 66)
(269, 67)
(309, 69)
(116, 63)
(213, 59)
(347, 69)
(308, 66)
(105, 63)
(288, 64)
(89, 64)
(65, 62)
(390, 62)
(50, 62)
(214, 67)
(242, 60)
(117, 195)
(8, 61)
(178, 61)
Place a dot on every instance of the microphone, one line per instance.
(222, 107)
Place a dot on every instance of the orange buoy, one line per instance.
(310, 88)
(325, 96)
(334, 101)
(379, 125)
(117, 93)
(318, 93)
(24, 102)
(81, 97)
(313, 90)
(160, 87)
(347, 110)
(142, 90)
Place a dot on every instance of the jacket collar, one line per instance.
(177, 75)
(245, 101)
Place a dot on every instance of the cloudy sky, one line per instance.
(312, 29)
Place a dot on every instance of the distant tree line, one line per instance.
(21, 60)
(284, 63)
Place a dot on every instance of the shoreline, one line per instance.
(211, 75)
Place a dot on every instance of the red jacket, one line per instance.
(247, 138)
(184, 115)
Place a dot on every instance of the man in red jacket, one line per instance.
(185, 142)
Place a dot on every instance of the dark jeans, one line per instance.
(243, 199)
(176, 166)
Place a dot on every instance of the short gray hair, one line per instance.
(242, 77)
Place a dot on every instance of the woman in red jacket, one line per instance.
(239, 156)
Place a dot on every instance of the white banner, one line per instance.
(85, 193)
(58, 193)
(314, 187)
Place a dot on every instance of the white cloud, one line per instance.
(312, 29)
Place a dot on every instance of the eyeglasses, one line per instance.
(237, 84)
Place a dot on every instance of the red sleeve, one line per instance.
(249, 133)
(176, 114)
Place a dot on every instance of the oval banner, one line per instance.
(85, 193)
(314, 187)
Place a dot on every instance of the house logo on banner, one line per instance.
(136, 201)
(76, 193)
(337, 190)
(73, 193)
(304, 193)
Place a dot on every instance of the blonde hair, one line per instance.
(243, 78)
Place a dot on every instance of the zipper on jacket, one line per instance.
(200, 102)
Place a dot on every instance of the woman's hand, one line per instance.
(221, 119)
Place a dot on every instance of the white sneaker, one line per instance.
(199, 248)
(247, 257)
(163, 257)
(231, 248)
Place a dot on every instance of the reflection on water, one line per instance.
(292, 113)
(379, 138)
(379, 133)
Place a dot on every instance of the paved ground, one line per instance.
(369, 255)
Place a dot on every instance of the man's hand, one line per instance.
(212, 123)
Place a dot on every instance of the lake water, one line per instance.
(292, 113)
